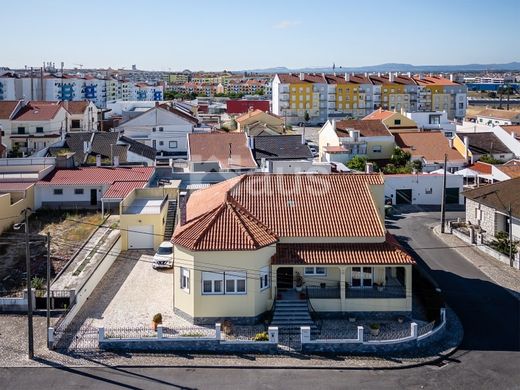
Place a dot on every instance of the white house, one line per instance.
(433, 120)
(162, 127)
(492, 117)
(83, 115)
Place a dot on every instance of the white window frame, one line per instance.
(377, 149)
(361, 277)
(174, 143)
(185, 279)
(235, 276)
(265, 279)
(212, 277)
(57, 191)
(313, 271)
(79, 191)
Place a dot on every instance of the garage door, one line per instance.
(452, 195)
(140, 237)
(403, 196)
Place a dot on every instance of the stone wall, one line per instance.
(487, 216)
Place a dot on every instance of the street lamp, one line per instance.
(30, 336)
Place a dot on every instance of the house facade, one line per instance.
(245, 242)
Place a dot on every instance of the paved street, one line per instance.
(488, 357)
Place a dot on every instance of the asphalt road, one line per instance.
(489, 357)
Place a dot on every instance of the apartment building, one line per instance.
(325, 96)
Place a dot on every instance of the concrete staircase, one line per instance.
(170, 220)
(291, 315)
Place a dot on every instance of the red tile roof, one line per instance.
(512, 129)
(205, 147)
(97, 175)
(384, 253)
(379, 115)
(315, 205)
(37, 112)
(76, 107)
(431, 146)
(499, 114)
(120, 189)
(7, 108)
(482, 167)
(366, 128)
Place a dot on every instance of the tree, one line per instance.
(357, 163)
(260, 92)
(501, 244)
(486, 158)
(417, 165)
(306, 116)
(400, 158)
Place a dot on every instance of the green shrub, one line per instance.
(262, 336)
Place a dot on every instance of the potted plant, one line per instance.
(374, 329)
(156, 321)
(400, 319)
(299, 282)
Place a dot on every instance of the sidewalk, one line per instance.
(498, 272)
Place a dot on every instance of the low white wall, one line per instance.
(426, 188)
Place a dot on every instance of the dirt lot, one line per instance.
(69, 230)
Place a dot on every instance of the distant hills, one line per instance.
(395, 67)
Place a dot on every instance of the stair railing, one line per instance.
(314, 314)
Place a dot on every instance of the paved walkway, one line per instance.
(94, 251)
(500, 273)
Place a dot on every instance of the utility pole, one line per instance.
(48, 284)
(443, 200)
(510, 222)
(29, 287)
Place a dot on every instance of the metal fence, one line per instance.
(317, 292)
(375, 292)
(244, 333)
(189, 332)
(129, 332)
(423, 329)
(387, 334)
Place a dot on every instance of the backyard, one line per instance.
(68, 230)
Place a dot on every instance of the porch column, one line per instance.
(408, 280)
(342, 292)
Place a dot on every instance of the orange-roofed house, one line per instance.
(253, 118)
(248, 242)
(394, 121)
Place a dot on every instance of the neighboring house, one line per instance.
(433, 120)
(162, 127)
(83, 115)
(244, 242)
(492, 173)
(394, 121)
(492, 117)
(510, 136)
(340, 141)
(271, 148)
(215, 152)
(423, 189)
(35, 126)
(490, 206)
(430, 148)
(90, 187)
(8, 109)
(486, 143)
(252, 118)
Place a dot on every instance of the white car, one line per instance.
(163, 258)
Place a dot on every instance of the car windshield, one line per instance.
(164, 250)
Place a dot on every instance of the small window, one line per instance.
(361, 277)
(376, 149)
(78, 191)
(264, 278)
(316, 271)
(235, 282)
(397, 122)
(173, 144)
(58, 191)
(212, 283)
(161, 143)
(39, 129)
(21, 130)
(161, 128)
(185, 279)
(153, 128)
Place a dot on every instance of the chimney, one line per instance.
(98, 160)
(347, 77)
(391, 77)
(333, 122)
(86, 147)
(402, 111)
(466, 147)
(409, 74)
(369, 167)
(378, 74)
(302, 76)
(116, 161)
(303, 139)
(450, 142)
(452, 78)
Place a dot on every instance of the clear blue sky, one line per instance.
(234, 34)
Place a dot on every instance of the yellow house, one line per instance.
(258, 116)
(255, 239)
(394, 121)
(144, 214)
(340, 141)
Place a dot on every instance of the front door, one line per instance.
(284, 278)
(93, 197)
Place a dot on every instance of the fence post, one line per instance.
(413, 329)
(360, 335)
(101, 334)
(50, 336)
(273, 334)
(443, 315)
(305, 332)
(218, 331)
(159, 331)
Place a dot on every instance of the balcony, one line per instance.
(396, 291)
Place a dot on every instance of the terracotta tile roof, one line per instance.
(335, 149)
(332, 205)
(512, 129)
(37, 112)
(431, 146)
(7, 187)
(7, 108)
(499, 114)
(510, 168)
(120, 189)
(384, 253)
(482, 167)
(433, 80)
(228, 227)
(76, 107)
(379, 115)
(206, 147)
(97, 175)
(251, 114)
(498, 196)
(366, 128)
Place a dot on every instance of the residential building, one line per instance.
(244, 242)
(162, 127)
(492, 117)
(8, 109)
(325, 96)
(83, 115)
(393, 120)
(340, 141)
(215, 152)
(255, 117)
(433, 121)
(423, 189)
(270, 148)
(490, 207)
(429, 148)
(486, 143)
